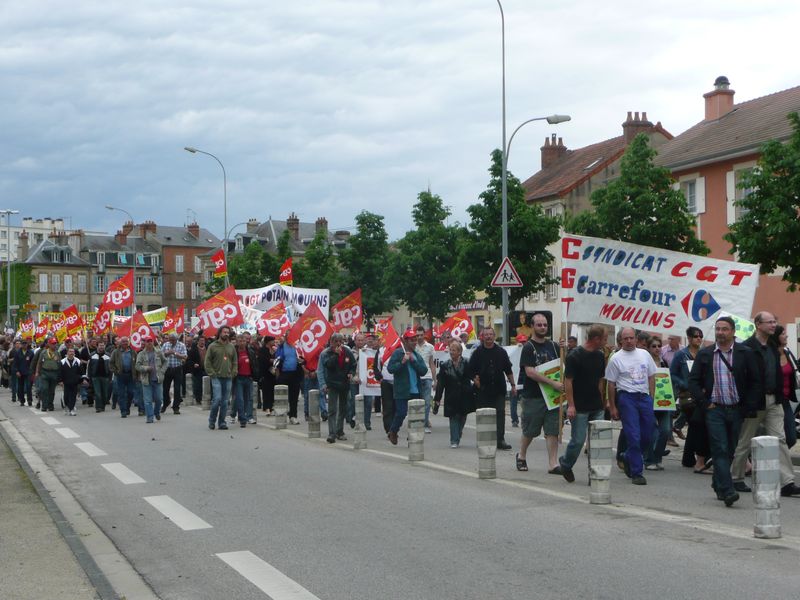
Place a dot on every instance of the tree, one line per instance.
(21, 279)
(365, 261)
(641, 206)
(769, 230)
(425, 270)
(529, 234)
(253, 268)
(319, 267)
(283, 248)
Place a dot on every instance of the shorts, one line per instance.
(536, 417)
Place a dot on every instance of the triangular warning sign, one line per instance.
(506, 275)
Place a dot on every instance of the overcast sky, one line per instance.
(330, 107)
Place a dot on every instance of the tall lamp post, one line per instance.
(225, 202)
(8, 212)
(133, 291)
(552, 119)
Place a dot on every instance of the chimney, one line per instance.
(719, 101)
(76, 241)
(293, 225)
(127, 227)
(552, 151)
(252, 225)
(145, 228)
(194, 229)
(634, 125)
(121, 237)
(321, 225)
(22, 247)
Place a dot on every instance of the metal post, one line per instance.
(600, 451)
(504, 290)
(416, 430)
(133, 243)
(486, 433)
(765, 451)
(281, 406)
(8, 212)
(313, 414)
(360, 431)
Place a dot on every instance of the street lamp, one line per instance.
(225, 205)
(552, 119)
(8, 212)
(133, 291)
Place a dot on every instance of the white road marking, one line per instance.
(36, 411)
(182, 517)
(266, 577)
(67, 433)
(123, 473)
(90, 449)
(51, 421)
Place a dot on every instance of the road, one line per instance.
(260, 513)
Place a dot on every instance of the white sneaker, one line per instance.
(428, 430)
(294, 421)
(252, 421)
(72, 413)
(454, 445)
(233, 420)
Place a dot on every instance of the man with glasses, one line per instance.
(695, 451)
(425, 350)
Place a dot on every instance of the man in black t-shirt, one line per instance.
(583, 375)
(535, 414)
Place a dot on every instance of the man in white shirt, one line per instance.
(631, 383)
(425, 350)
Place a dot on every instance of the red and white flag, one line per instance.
(41, 329)
(348, 312)
(285, 277)
(140, 329)
(169, 323)
(310, 333)
(26, 329)
(74, 321)
(457, 324)
(220, 267)
(120, 293)
(219, 310)
(389, 338)
(274, 322)
(103, 320)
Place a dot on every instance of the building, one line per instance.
(37, 231)
(708, 161)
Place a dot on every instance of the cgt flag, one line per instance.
(220, 268)
(219, 310)
(140, 329)
(103, 320)
(74, 321)
(41, 330)
(389, 338)
(274, 322)
(169, 323)
(310, 333)
(348, 312)
(26, 329)
(457, 324)
(286, 273)
(120, 293)
(59, 327)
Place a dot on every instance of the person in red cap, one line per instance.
(47, 370)
(407, 366)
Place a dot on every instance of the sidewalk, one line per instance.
(35, 559)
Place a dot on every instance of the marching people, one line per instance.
(725, 383)
(174, 351)
(657, 449)
(48, 366)
(100, 377)
(123, 366)
(770, 411)
(631, 384)
(695, 450)
(454, 384)
(425, 350)
(340, 366)
(151, 364)
(490, 368)
(22, 366)
(195, 357)
(268, 368)
(290, 374)
(536, 416)
(71, 376)
(246, 373)
(387, 387)
(407, 367)
(789, 382)
(221, 365)
(584, 369)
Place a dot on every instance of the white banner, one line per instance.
(605, 281)
(369, 386)
(296, 299)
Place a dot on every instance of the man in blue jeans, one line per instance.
(408, 367)
(222, 366)
(583, 383)
(631, 371)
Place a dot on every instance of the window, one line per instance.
(689, 189)
(42, 282)
(81, 284)
(43, 307)
(197, 290)
(101, 258)
(82, 308)
(179, 263)
(38, 237)
(179, 290)
(140, 259)
(139, 285)
(742, 193)
(100, 284)
(56, 283)
(156, 284)
(154, 260)
(16, 235)
(207, 276)
(3, 246)
(3, 234)
(552, 288)
(67, 284)
(198, 265)
(122, 258)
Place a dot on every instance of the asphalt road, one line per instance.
(261, 513)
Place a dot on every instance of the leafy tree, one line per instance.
(529, 234)
(319, 267)
(21, 279)
(769, 230)
(365, 261)
(425, 270)
(284, 250)
(253, 268)
(641, 206)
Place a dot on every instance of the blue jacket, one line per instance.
(402, 379)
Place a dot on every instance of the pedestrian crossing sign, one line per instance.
(506, 276)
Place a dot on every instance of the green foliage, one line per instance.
(253, 268)
(365, 264)
(21, 280)
(769, 232)
(529, 234)
(319, 267)
(284, 250)
(641, 207)
(425, 270)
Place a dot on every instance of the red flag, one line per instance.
(390, 339)
(178, 317)
(220, 268)
(457, 324)
(120, 293)
(219, 310)
(122, 327)
(348, 312)
(310, 333)
(103, 320)
(59, 327)
(74, 321)
(169, 323)
(274, 322)
(286, 273)
(140, 329)
(41, 329)
(26, 329)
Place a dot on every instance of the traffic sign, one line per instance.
(506, 276)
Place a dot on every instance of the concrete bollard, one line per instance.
(765, 451)
(416, 430)
(187, 385)
(206, 392)
(486, 433)
(281, 406)
(254, 400)
(313, 414)
(600, 458)
(360, 431)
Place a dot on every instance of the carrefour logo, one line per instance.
(699, 305)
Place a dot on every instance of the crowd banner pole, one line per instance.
(486, 433)
(765, 451)
(600, 455)
(416, 430)
(563, 356)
